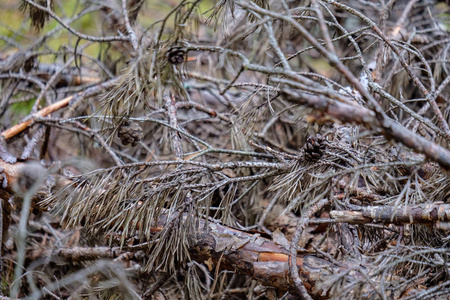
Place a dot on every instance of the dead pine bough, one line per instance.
(225, 150)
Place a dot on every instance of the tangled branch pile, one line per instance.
(242, 149)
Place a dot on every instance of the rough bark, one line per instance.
(428, 213)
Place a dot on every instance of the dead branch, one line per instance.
(18, 128)
(421, 214)
(356, 114)
(246, 253)
(12, 173)
(302, 223)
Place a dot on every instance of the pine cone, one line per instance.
(314, 147)
(130, 133)
(176, 54)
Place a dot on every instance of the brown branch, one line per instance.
(356, 192)
(302, 223)
(12, 173)
(202, 108)
(175, 139)
(428, 213)
(158, 284)
(77, 254)
(18, 128)
(245, 253)
(348, 113)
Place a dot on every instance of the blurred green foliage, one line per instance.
(16, 25)
(20, 110)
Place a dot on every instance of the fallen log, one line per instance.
(224, 247)
(246, 253)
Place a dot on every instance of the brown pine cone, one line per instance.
(314, 147)
(130, 133)
(176, 54)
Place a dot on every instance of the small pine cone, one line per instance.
(176, 54)
(130, 133)
(314, 147)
